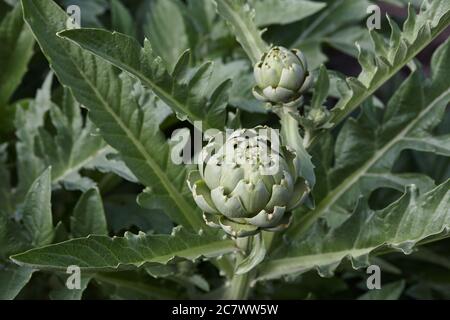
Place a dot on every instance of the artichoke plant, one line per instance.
(281, 76)
(247, 183)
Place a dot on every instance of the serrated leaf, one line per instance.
(240, 16)
(114, 107)
(71, 147)
(101, 253)
(367, 148)
(283, 11)
(183, 90)
(400, 226)
(389, 58)
(37, 212)
(88, 216)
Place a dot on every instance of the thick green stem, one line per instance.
(225, 266)
(290, 130)
(239, 287)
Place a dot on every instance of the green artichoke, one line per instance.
(245, 185)
(281, 76)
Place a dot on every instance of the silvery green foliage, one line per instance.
(407, 122)
(127, 252)
(246, 182)
(102, 128)
(400, 227)
(74, 146)
(15, 54)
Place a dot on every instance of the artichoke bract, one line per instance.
(281, 76)
(247, 182)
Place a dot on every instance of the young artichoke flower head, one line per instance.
(281, 76)
(247, 182)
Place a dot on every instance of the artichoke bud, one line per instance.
(281, 76)
(319, 116)
(247, 182)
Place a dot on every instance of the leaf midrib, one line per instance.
(160, 92)
(349, 108)
(291, 264)
(192, 252)
(341, 115)
(72, 168)
(173, 192)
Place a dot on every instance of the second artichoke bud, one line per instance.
(281, 76)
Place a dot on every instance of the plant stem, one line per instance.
(239, 287)
(289, 130)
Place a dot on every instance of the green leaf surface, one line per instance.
(64, 293)
(390, 57)
(89, 216)
(15, 53)
(101, 253)
(402, 225)
(70, 147)
(283, 11)
(12, 280)
(166, 30)
(123, 213)
(240, 16)
(119, 108)
(331, 26)
(182, 91)
(366, 149)
(37, 211)
(121, 19)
